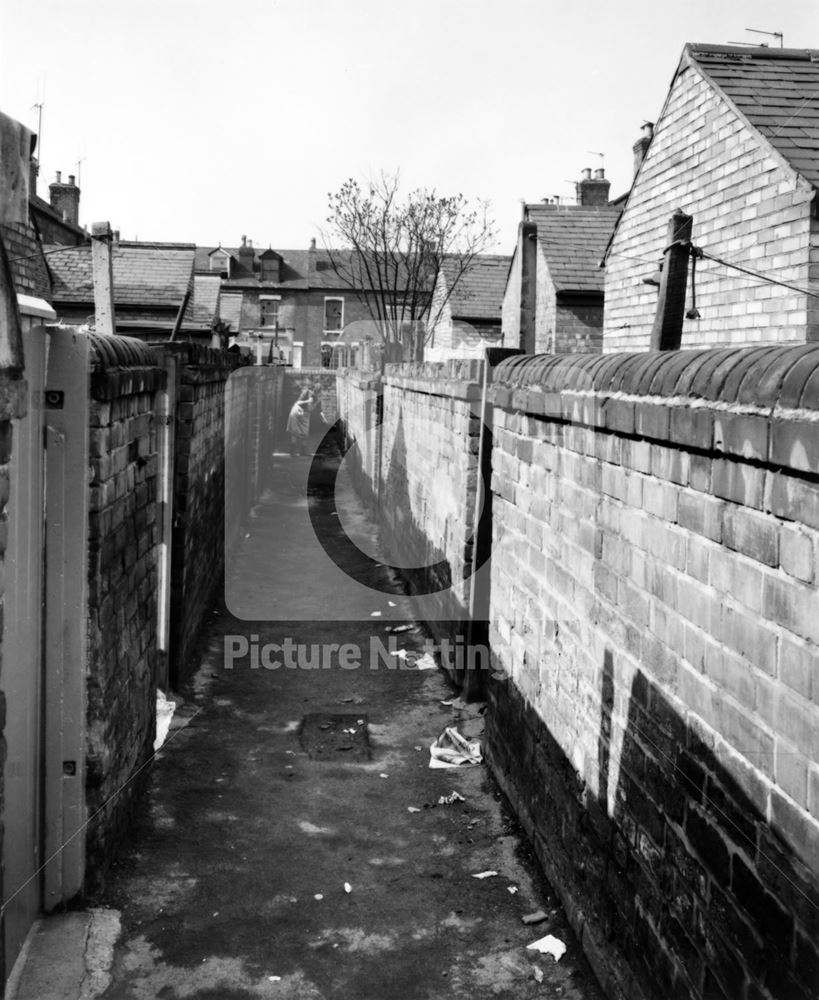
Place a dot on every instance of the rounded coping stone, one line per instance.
(762, 389)
(793, 384)
(121, 352)
(764, 376)
(666, 382)
(651, 386)
(752, 365)
(688, 377)
(701, 376)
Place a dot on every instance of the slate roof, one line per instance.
(156, 274)
(479, 292)
(205, 307)
(295, 269)
(573, 239)
(778, 92)
(230, 309)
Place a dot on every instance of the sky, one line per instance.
(202, 120)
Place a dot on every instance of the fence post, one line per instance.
(666, 334)
(102, 269)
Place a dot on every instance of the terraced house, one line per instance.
(296, 306)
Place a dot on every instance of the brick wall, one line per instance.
(122, 578)
(198, 538)
(510, 308)
(746, 208)
(429, 455)
(579, 326)
(359, 396)
(654, 608)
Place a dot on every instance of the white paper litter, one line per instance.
(391, 603)
(375, 614)
(348, 887)
(426, 662)
(549, 945)
(274, 979)
(402, 654)
(319, 896)
(487, 874)
(164, 714)
(535, 918)
(452, 750)
(383, 776)
(401, 628)
(413, 809)
(537, 972)
(447, 800)
(511, 889)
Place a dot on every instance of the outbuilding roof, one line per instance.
(478, 293)
(156, 274)
(777, 90)
(573, 239)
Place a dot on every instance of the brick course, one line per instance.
(653, 620)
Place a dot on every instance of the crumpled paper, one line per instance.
(452, 750)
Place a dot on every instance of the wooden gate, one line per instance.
(44, 633)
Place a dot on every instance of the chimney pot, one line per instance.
(313, 243)
(244, 241)
(586, 173)
(640, 148)
(600, 174)
(65, 198)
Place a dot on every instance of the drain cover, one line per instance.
(326, 736)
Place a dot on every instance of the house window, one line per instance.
(270, 312)
(270, 268)
(220, 262)
(333, 315)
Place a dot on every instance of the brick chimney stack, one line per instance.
(593, 190)
(246, 254)
(640, 148)
(65, 199)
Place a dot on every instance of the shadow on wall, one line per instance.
(407, 548)
(673, 868)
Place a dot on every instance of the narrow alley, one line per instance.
(280, 858)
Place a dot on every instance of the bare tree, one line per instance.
(391, 250)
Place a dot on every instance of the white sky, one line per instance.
(202, 120)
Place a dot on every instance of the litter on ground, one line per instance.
(349, 888)
(537, 972)
(413, 809)
(164, 714)
(448, 800)
(400, 628)
(391, 603)
(319, 896)
(549, 945)
(535, 918)
(383, 776)
(452, 750)
(511, 889)
(375, 614)
(426, 662)
(487, 874)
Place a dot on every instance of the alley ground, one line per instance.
(259, 869)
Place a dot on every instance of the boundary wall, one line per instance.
(654, 617)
